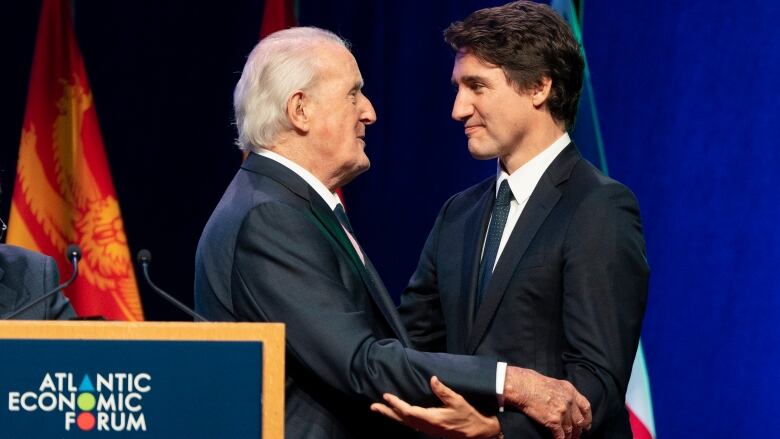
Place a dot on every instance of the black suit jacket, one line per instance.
(567, 295)
(273, 251)
(25, 276)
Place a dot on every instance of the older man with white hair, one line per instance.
(279, 248)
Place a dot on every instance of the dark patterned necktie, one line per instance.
(495, 231)
(343, 219)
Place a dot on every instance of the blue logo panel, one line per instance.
(152, 389)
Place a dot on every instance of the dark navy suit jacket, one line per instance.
(273, 251)
(26, 275)
(567, 296)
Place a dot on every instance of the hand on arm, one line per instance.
(456, 419)
(556, 404)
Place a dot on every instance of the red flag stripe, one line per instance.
(277, 15)
(637, 427)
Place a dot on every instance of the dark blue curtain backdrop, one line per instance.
(687, 103)
(689, 108)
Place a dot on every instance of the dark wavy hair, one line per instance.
(529, 41)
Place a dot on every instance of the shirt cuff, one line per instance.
(500, 378)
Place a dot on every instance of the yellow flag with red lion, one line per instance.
(63, 192)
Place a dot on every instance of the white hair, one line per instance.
(279, 64)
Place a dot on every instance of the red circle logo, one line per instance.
(86, 421)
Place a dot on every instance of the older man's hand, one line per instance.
(456, 419)
(556, 404)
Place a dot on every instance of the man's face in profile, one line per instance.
(495, 114)
(340, 112)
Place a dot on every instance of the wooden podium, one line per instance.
(145, 379)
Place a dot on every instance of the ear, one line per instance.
(297, 111)
(541, 91)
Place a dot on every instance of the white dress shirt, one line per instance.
(522, 183)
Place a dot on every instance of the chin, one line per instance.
(363, 162)
(363, 167)
(481, 153)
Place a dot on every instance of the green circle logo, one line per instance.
(86, 401)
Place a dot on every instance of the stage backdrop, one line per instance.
(685, 92)
(689, 109)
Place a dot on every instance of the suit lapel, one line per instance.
(289, 179)
(367, 272)
(332, 227)
(475, 229)
(542, 200)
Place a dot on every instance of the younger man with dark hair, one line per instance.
(544, 264)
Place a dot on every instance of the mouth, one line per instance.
(470, 129)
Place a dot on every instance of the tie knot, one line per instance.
(343, 218)
(504, 196)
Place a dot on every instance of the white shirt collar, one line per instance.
(329, 197)
(523, 181)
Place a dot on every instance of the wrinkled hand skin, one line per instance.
(457, 419)
(556, 404)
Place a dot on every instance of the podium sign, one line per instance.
(154, 380)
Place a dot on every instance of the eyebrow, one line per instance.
(470, 79)
(357, 87)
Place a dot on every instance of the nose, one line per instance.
(367, 113)
(461, 108)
